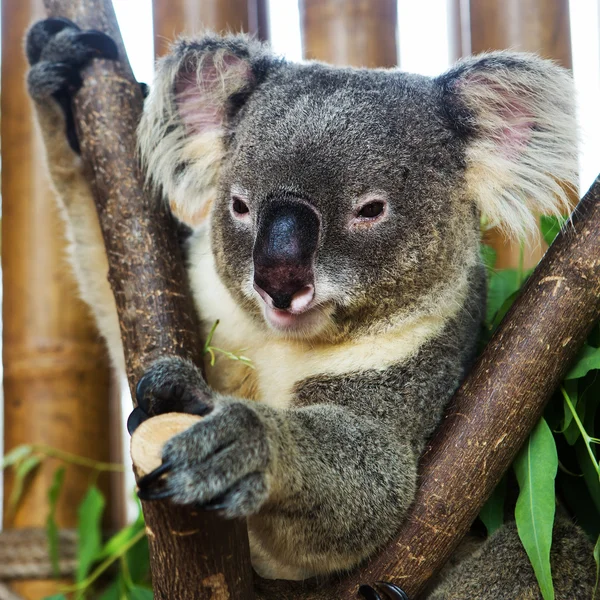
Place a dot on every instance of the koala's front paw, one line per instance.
(170, 385)
(219, 464)
(57, 50)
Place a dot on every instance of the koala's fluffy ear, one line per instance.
(197, 92)
(517, 113)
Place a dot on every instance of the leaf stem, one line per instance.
(77, 460)
(584, 434)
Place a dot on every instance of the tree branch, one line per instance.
(194, 555)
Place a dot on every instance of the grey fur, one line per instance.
(326, 472)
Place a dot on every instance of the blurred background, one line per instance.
(58, 389)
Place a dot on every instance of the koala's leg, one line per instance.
(57, 49)
(500, 569)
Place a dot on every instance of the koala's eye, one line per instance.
(371, 210)
(239, 207)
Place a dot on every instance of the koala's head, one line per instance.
(338, 198)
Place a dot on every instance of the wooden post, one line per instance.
(194, 554)
(174, 17)
(56, 376)
(350, 32)
(540, 26)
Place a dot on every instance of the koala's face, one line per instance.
(338, 201)
(344, 199)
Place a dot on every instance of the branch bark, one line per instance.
(491, 414)
(194, 556)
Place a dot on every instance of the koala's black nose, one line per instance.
(284, 252)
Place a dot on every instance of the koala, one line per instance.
(333, 219)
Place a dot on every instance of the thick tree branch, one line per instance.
(193, 555)
(491, 414)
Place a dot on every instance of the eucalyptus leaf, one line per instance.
(16, 455)
(138, 561)
(488, 255)
(141, 593)
(119, 539)
(492, 512)
(51, 526)
(588, 360)
(501, 285)
(55, 597)
(89, 532)
(550, 226)
(112, 592)
(536, 467)
(23, 468)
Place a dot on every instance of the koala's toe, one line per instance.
(243, 499)
(41, 33)
(47, 79)
(173, 385)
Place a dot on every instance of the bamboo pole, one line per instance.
(194, 555)
(56, 375)
(540, 26)
(175, 17)
(350, 32)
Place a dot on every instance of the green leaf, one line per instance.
(23, 468)
(550, 226)
(140, 593)
(589, 359)
(488, 256)
(492, 513)
(51, 526)
(112, 592)
(16, 455)
(536, 467)
(138, 561)
(597, 559)
(501, 285)
(89, 532)
(121, 538)
(55, 597)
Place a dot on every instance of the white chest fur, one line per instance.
(279, 364)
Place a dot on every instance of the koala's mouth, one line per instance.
(307, 322)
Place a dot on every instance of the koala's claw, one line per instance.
(135, 419)
(151, 486)
(391, 591)
(155, 475)
(369, 593)
(151, 495)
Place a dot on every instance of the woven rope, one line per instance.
(6, 594)
(24, 555)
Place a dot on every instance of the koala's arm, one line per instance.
(55, 57)
(324, 482)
